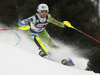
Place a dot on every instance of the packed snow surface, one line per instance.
(23, 59)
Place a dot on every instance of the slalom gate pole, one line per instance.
(69, 25)
(25, 27)
(8, 29)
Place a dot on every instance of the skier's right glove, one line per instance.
(24, 27)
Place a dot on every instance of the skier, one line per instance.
(37, 31)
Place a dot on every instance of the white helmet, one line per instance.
(42, 7)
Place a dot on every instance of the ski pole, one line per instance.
(69, 25)
(25, 27)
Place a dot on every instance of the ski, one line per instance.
(68, 62)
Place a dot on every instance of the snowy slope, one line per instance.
(23, 59)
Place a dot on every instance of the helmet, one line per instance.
(42, 7)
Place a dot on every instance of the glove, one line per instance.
(65, 26)
(25, 27)
(66, 23)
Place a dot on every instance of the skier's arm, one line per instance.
(52, 20)
(24, 22)
(27, 21)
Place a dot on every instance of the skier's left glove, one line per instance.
(67, 24)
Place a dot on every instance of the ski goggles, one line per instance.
(43, 11)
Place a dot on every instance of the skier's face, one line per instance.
(43, 13)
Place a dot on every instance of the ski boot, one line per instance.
(42, 53)
(68, 62)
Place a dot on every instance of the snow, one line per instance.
(23, 59)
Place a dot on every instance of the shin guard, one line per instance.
(40, 44)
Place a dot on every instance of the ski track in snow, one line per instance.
(9, 38)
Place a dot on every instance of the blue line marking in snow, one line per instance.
(19, 39)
